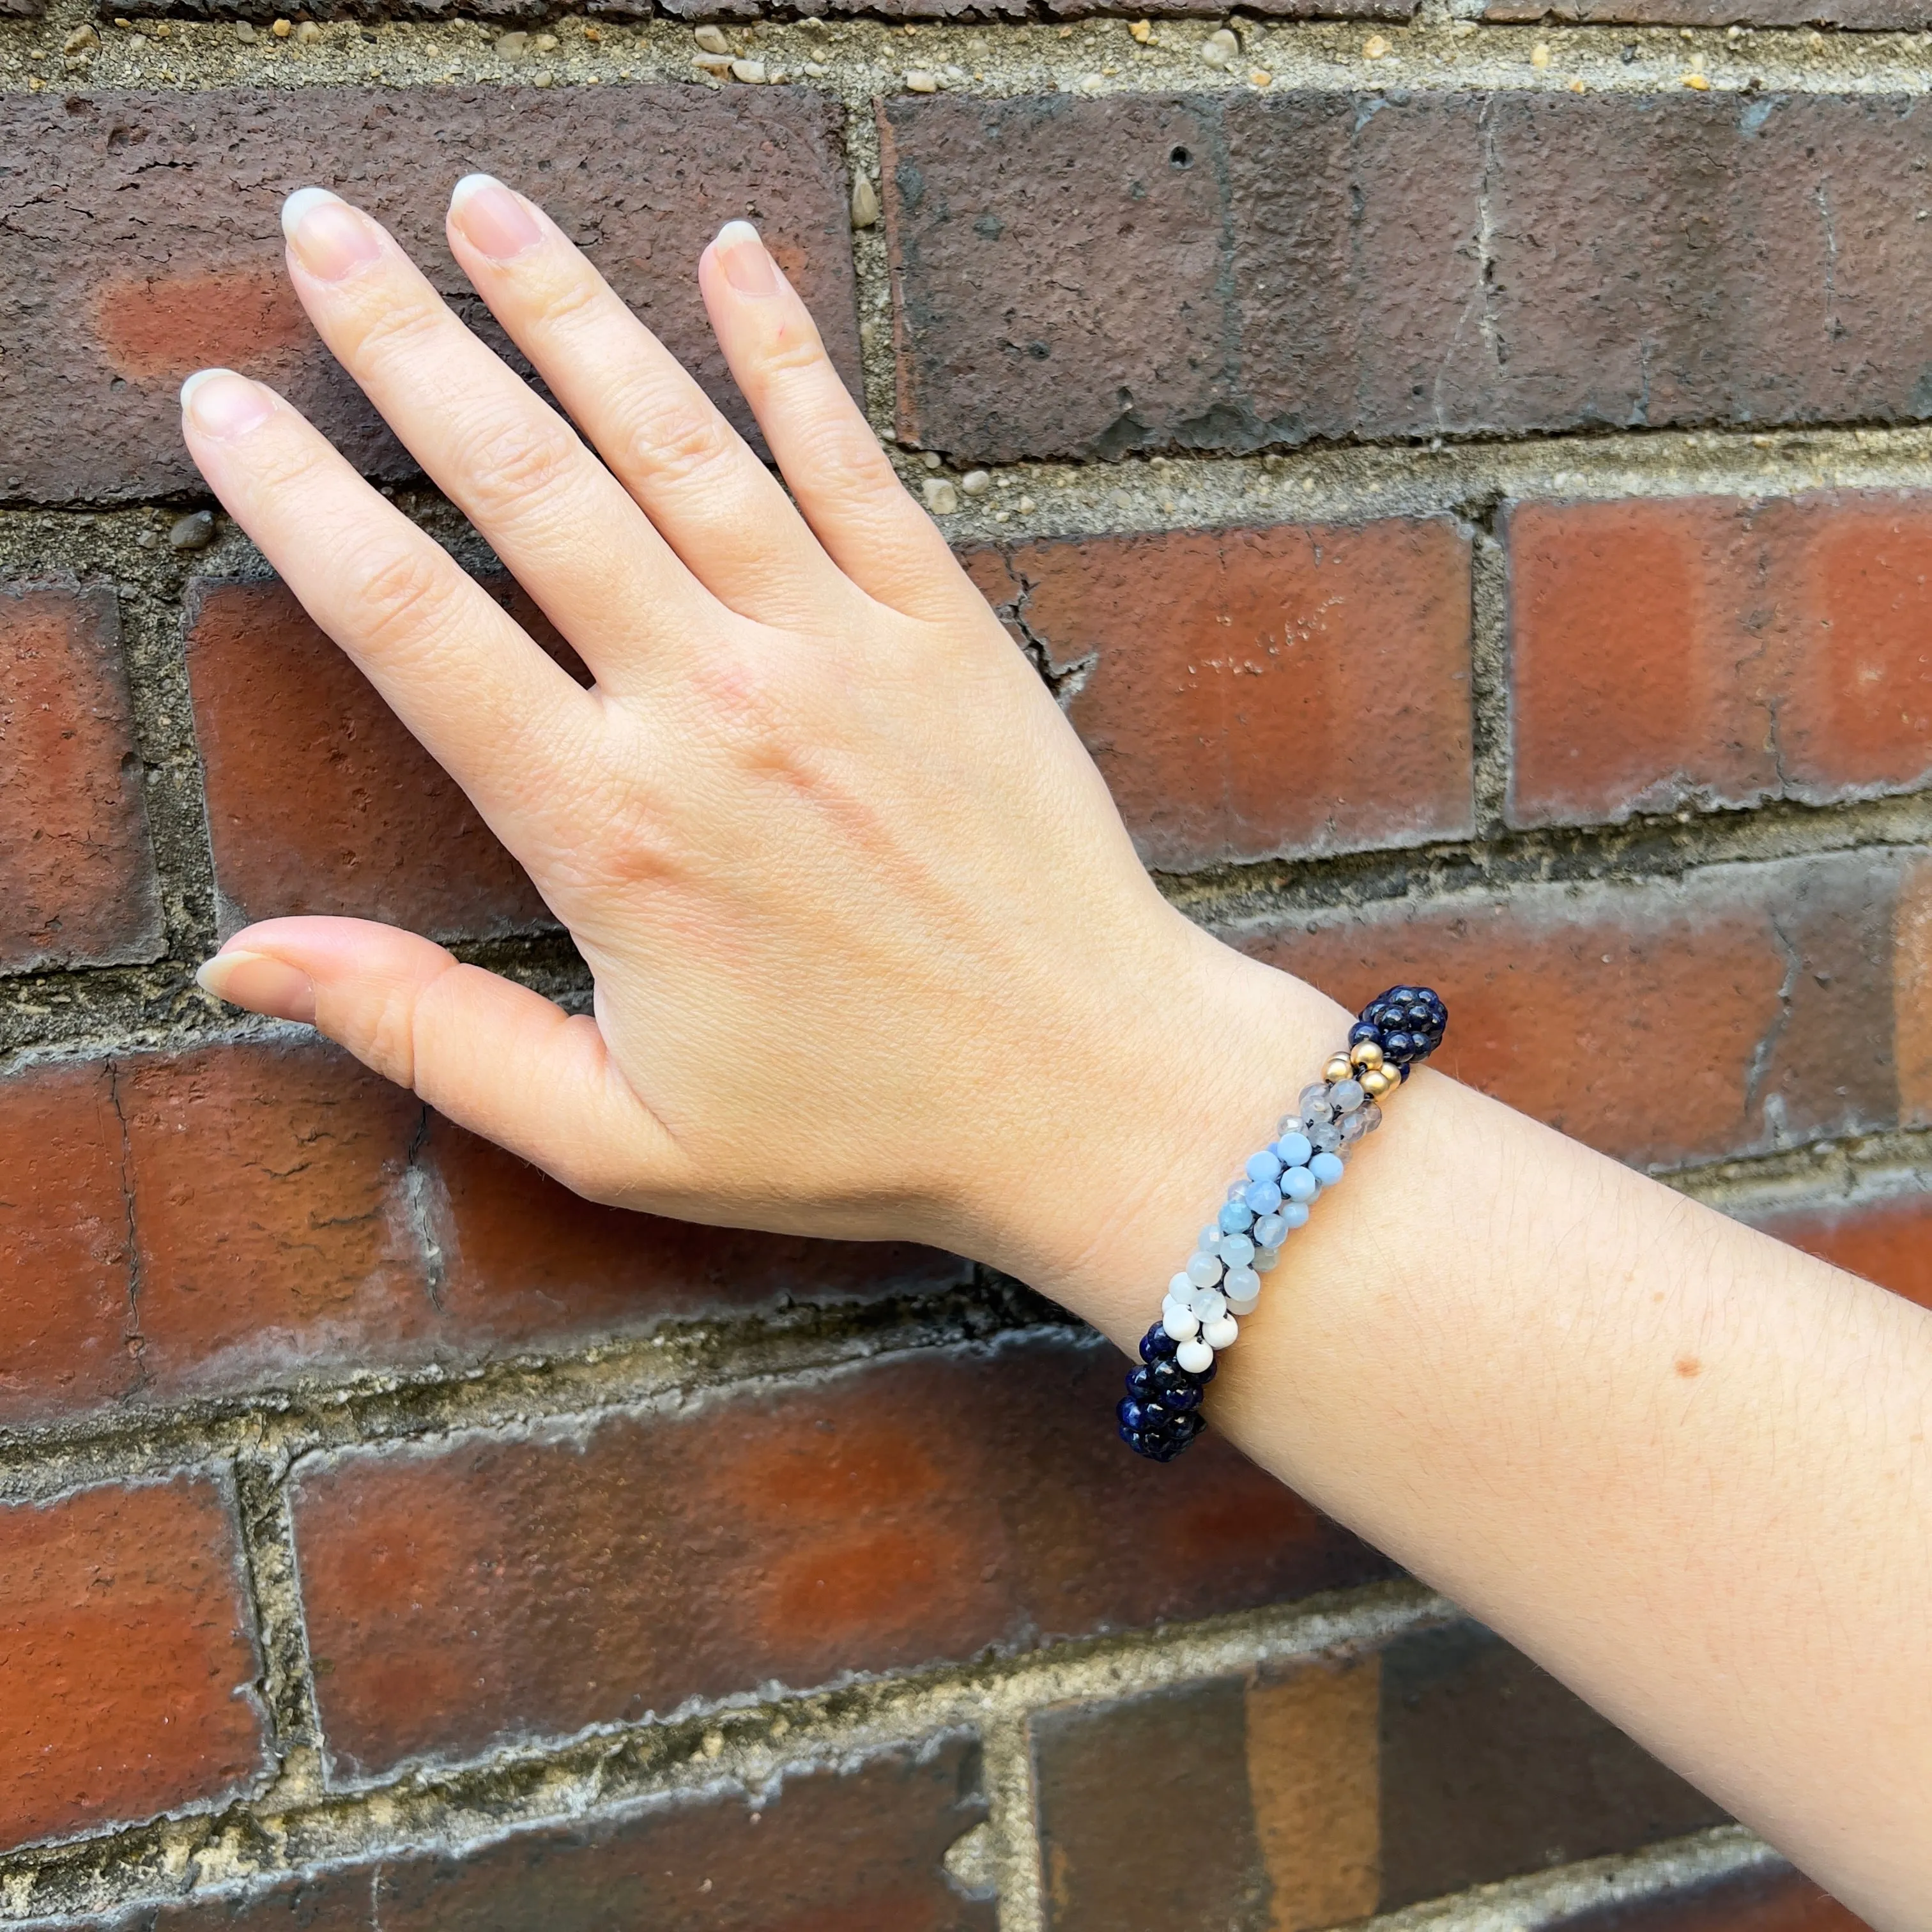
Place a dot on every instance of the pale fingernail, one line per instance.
(220, 402)
(747, 267)
(494, 221)
(327, 237)
(261, 984)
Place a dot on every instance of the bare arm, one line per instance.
(874, 958)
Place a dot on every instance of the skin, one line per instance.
(873, 953)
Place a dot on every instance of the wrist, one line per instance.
(1176, 1078)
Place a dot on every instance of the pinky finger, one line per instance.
(494, 1056)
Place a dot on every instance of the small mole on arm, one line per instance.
(1687, 1366)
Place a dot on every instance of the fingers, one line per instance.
(493, 1056)
(717, 504)
(849, 492)
(555, 516)
(489, 706)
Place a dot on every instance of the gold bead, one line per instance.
(1377, 1081)
(1338, 1069)
(1365, 1053)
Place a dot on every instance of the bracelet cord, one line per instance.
(1206, 1301)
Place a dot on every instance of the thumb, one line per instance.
(495, 1057)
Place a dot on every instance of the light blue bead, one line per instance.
(1236, 1250)
(1265, 1166)
(1236, 1218)
(1264, 1197)
(1264, 1259)
(1204, 1270)
(1298, 1184)
(1294, 1214)
(1294, 1150)
(1269, 1230)
(1326, 1168)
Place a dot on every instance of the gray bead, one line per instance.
(1315, 1106)
(1326, 1139)
(1345, 1096)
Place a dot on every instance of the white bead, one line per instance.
(1241, 1282)
(1244, 1308)
(1209, 1304)
(1221, 1334)
(1181, 1323)
(1179, 1288)
(1204, 1270)
(1236, 1250)
(1196, 1357)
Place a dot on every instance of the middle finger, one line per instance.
(565, 527)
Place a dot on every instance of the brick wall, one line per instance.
(387, 1540)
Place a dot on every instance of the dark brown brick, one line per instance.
(1222, 676)
(66, 1315)
(1489, 1768)
(1774, 1901)
(76, 872)
(1887, 1239)
(1766, 991)
(1393, 266)
(1316, 1795)
(860, 1848)
(529, 1583)
(299, 1218)
(126, 1659)
(1882, 15)
(319, 800)
(145, 241)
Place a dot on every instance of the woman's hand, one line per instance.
(866, 928)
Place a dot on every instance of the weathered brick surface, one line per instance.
(1766, 991)
(1756, 1902)
(1315, 1797)
(1887, 1239)
(319, 800)
(1087, 277)
(297, 1217)
(76, 872)
(1223, 677)
(66, 1315)
(1883, 16)
(144, 241)
(1912, 994)
(530, 1583)
(860, 1848)
(1712, 651)
(126, 1659)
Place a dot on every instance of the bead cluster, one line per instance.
(1222, 1283)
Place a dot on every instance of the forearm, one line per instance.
(1687, 1468)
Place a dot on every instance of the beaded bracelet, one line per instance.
(1222, 1283)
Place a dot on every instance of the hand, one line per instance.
(869, 939)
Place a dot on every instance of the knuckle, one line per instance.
(792, 352)
(511, 460)
(395, 331)
(680, 447)
(403, 594)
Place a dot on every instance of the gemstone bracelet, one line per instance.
(1221, 1285)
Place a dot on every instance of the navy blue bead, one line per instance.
(1157, 1344)
(1132, 1414)
(1141, 1385)
(1175, 1388)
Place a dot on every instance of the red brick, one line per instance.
(1226, 675)
(319, 800)
(1912, 994)
(1774, 1901)
(299, 1218)
(1318, 1795)
(66, 1317)
(1746, 1009)
(1887, 1239)
(860, 1847)
(531, 1583)
(1718, 651)
(126, 1659)
(1084, 277)
(76, 872)
(144, 242)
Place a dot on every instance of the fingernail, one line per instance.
(747, 267)
(261, 984)
(220, 402)
(494, 221)
(327, 237)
